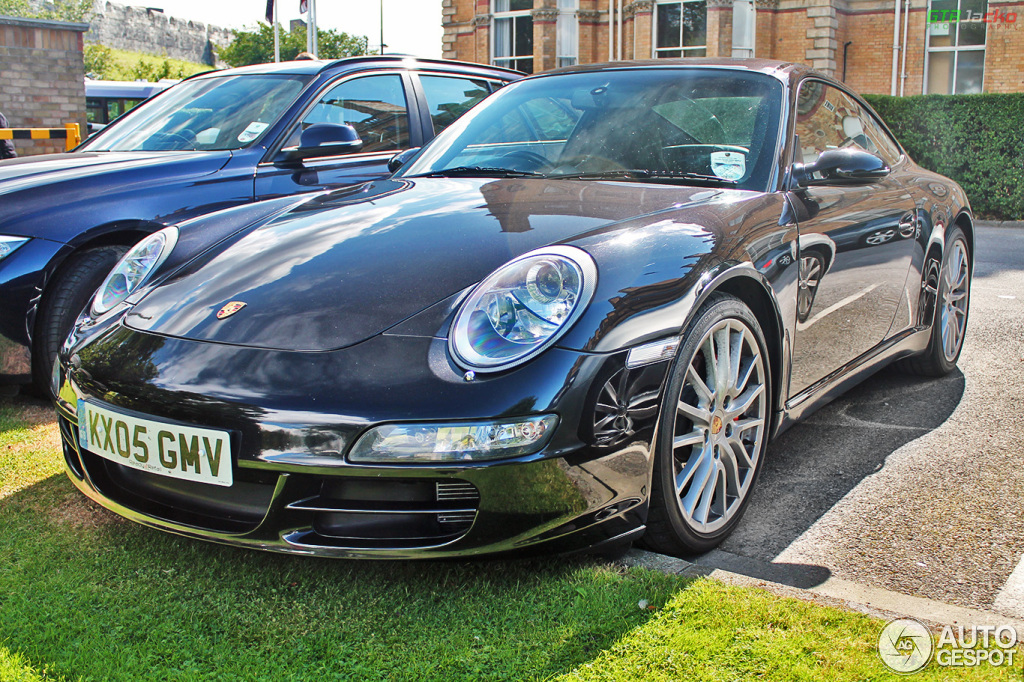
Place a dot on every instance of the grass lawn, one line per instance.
(85, 595)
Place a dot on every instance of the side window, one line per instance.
(374, 105)
(449, 97)
(826, 118)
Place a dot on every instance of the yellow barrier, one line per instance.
(69, 133)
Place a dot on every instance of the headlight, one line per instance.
(522, 308)
(133, 269)
(9, 244)
(455, 442)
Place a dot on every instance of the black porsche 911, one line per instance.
(574, 319)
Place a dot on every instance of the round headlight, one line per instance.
(133, 269)
(522, 307)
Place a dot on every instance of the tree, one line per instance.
(61, 10)
(257, 47)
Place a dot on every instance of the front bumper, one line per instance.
(22, 277)
(293, 490)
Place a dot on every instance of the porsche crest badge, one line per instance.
(230, 309)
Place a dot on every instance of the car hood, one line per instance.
(85, 173)
(349, 264)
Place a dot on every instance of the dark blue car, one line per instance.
(214, 141)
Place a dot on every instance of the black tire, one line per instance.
(935, 361)
(66, 296)
(668, 529)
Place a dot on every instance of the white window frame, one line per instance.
(507, 60)
(567, 33)
(955, 49)
(654, 30)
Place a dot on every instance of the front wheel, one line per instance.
(713, 430)
(65, 297)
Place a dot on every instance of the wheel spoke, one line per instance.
(605, 409)
(707, 494)
(697, 415)
(696, 468)
(739, 452)
(722, 360)
(695, 437)
(749, 365)
(704, 394)
(743, 402)
(742, 425)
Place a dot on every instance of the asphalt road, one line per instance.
(908, 484)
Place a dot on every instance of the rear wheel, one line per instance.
(713, 430)
(949, 323)
(66, 296)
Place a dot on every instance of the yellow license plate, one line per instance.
(189, 453)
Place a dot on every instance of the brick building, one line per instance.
(939, 46)
(41, 84)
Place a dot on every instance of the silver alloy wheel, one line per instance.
(954, 300)
(720, 426)
(807, 284)
(880, 237)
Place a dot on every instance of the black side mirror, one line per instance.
(325, 139)
(848, 165)
(401, 158)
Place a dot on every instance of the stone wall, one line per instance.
(138, 29)
(41, 82)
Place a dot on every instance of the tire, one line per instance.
(693, 441)
(66, 296)
(952, 305)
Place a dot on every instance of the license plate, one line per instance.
(190, 453)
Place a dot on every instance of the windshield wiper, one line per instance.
(643, 174)
(479, 170)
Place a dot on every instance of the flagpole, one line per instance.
(316, 31)
(277, 36)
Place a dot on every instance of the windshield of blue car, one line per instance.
(217, 113)
(685, 125)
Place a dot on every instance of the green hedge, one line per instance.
(977, 140)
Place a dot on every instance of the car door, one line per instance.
(377, 105)
(855, 240)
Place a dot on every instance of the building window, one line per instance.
(956, 46)
(568, 30)
(513, 34)
(681, 28)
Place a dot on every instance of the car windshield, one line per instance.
(224, 112)
(679, 125)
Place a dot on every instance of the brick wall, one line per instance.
(41, 82)
(1004, 51)
(813, 32)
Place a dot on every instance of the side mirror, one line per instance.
(401, 158)
(848, 165)
(325, 139)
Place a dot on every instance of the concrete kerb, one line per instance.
(1012, 224)
(782, 579)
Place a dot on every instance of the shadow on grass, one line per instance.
(85, 593)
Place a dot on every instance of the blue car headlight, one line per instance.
(134, 269)
(522, 308)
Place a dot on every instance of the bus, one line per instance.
(106, 100)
